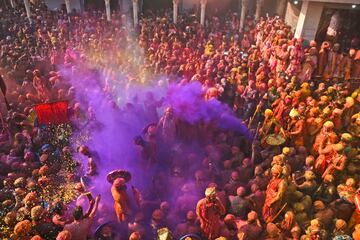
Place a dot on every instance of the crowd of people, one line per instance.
(296, 177)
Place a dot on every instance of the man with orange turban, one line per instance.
(209, 210)
(274, 194)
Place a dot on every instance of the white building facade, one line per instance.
(305, 16)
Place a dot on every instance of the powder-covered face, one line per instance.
(211, 198)
(350, 182)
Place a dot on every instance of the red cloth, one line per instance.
(210, 218)
(52, 113)
(269, 211)
(357, 202)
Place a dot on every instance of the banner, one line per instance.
(52, 113)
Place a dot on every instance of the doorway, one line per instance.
(348, 27)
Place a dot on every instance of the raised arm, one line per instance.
(299, 129)
(253, 148)
(94, 210)
(91, 206)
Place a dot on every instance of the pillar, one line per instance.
(259, 8)
(301, 20)
(281, 6)
(244, 7)
(175, 10)
(202, 13)
(12, 3)
(108, 10)
(135, 12)
(309, 19)
(68, 8)
(28, 10)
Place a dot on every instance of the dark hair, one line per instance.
(78, 213)
(138, 140)
(57, 208)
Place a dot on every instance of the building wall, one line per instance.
(126, 6)
(189, 4)
(292, 15)
(53, 4)
(270, 7)
(75, 4)
(220, 5)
